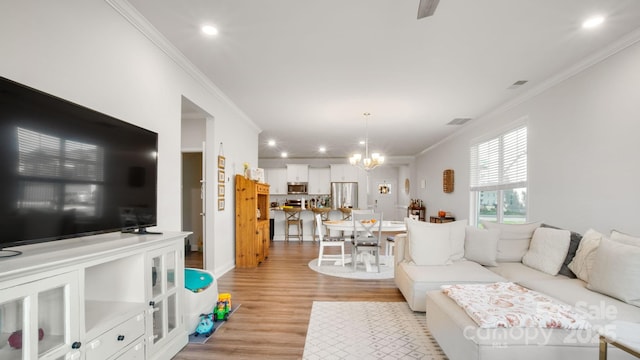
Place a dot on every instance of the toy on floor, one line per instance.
(205, 326)
(225, 297)
(222, 310)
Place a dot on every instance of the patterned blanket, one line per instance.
(506, 305)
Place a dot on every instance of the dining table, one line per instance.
(387, 226)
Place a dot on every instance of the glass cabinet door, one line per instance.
(163, 269)
(39, 320)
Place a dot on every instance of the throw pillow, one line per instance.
(547, 250)
(616, 271)
(585, 255)
(514, 239)
(456, 237)
(481, 245)
(573, 247)
(429, 245)
(624, 238)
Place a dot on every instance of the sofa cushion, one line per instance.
(601, 309)
(583, 260)
(573, 247)
(429, 245)
(616, 271)
(624, 238)
(435, 244)
(547, 250)
(518, 272)
(481, 245)
(514, 239)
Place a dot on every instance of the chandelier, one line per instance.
(367, 163)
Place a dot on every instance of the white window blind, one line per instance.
(501, 162)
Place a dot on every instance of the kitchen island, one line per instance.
(306, 215)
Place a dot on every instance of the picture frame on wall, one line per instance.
(220, 204)
(221, 162)
(220, 190)
(221, 176)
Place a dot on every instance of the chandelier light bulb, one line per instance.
(367, 163)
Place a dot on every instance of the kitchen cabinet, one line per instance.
(297, 173)
(319, 181)
(252, 222)
(344, 173)
(277, 180)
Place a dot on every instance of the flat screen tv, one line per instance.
(68, 171)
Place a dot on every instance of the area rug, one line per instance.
(347, 271)
(201, 339)
(368, 330)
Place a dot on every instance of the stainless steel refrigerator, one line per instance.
(344, 194)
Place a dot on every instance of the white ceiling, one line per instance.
(305, 71)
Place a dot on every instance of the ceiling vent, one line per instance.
(517, 84)
(458, 121)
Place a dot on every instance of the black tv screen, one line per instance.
(68, 171)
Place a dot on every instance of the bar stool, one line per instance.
(292, 217)
(324, 215)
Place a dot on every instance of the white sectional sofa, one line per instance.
(507, 253)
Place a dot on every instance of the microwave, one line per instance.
(296, 188)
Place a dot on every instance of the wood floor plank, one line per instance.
(275, 304)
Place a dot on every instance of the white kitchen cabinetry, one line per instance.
(319, 181)
(297, 173)
(277, 179)
(344, 173)
(92, 297)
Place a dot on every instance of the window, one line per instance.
(498, 169)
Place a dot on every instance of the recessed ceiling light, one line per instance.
(284, 154)
(593, 22)
(322, 149)
(271, 143)
(209, 30)
(361, 142)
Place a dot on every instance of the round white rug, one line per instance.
(347, 271)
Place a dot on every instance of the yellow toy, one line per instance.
(225, 297)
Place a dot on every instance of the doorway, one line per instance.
(385, 195)
(192, 208)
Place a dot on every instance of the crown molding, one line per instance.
(133, 16)
(586, 63)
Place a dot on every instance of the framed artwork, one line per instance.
(447, 181)
(220, 204)
(384, 189)
(220, 190)
(221, 162)
(221, 176)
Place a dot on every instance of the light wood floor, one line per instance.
(276, 299)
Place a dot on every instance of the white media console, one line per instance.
(101, 297)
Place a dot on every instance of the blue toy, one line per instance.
(205, 326)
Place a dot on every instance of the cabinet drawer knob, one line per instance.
(120, 337)
(76, 345)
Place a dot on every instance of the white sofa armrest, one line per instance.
(400, 243)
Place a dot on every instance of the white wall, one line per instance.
(88, 53)
(583, 151)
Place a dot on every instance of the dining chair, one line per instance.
(367, 233)
(327, 241)
(324, 215)
(357, 211)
